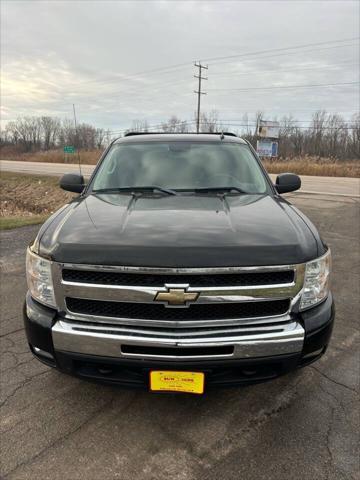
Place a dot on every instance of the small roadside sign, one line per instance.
(69, 149)
(267, 148)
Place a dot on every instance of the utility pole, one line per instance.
(199, 92)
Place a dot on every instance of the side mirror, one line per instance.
(287, 182)
(72, 182)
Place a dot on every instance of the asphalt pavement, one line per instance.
(318, 185)
(301, 426)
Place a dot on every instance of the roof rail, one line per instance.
(132, 134)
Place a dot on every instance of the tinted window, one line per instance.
(181, 165)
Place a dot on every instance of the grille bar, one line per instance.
(159, 280)
(192, 313)
(182, 333)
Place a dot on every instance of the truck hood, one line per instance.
(179, 231)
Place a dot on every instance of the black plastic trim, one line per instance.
(135, 373)
(38, 321)
(316, 317)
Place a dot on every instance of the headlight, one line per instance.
(316, 282)
(39, 279)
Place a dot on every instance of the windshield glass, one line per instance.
(181, 166)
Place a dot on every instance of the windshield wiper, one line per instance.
(151, 188)
(218, 189)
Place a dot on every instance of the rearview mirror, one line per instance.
(72, 182)
(287, 182)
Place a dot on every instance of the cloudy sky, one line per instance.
(124, 60)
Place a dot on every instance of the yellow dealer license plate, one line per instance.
(169, 381)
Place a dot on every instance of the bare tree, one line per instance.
(354, 136)
(50, 127)
(139, 126)
(318, 124)
(174, 125)
(5, 137)
(209, 122)
(100, 134)
(67, 134)
(246, 129)
(286, 134)
(107, 138)
(329, 136)
(26, 131)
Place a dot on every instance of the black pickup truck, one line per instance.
(178, 267)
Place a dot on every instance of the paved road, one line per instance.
(42, 168)
(332, 185)
(301, 426)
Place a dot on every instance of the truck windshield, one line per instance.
(181, 166)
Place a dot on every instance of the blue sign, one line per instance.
(267, 148)
(274, 149)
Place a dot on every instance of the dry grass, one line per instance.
(315, 166)
(89, 157)
(326, 167)
(29, 199)
(7, 223)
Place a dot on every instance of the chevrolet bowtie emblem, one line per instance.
(176, 296)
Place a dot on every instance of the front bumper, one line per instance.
(97, 352)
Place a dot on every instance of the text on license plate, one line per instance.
(172, 381)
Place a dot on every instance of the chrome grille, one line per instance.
(228, 297)
(103, 310)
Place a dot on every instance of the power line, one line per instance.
(282, 120)
(285, 69)
(342, 127)
(235, 123)
(134, 76)
(310, 85)
(199, 92)
(269, 56)
(222, 74)
(179, 82)
(266, 57)
(171, 68)
(262, 52)
(291, 111)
